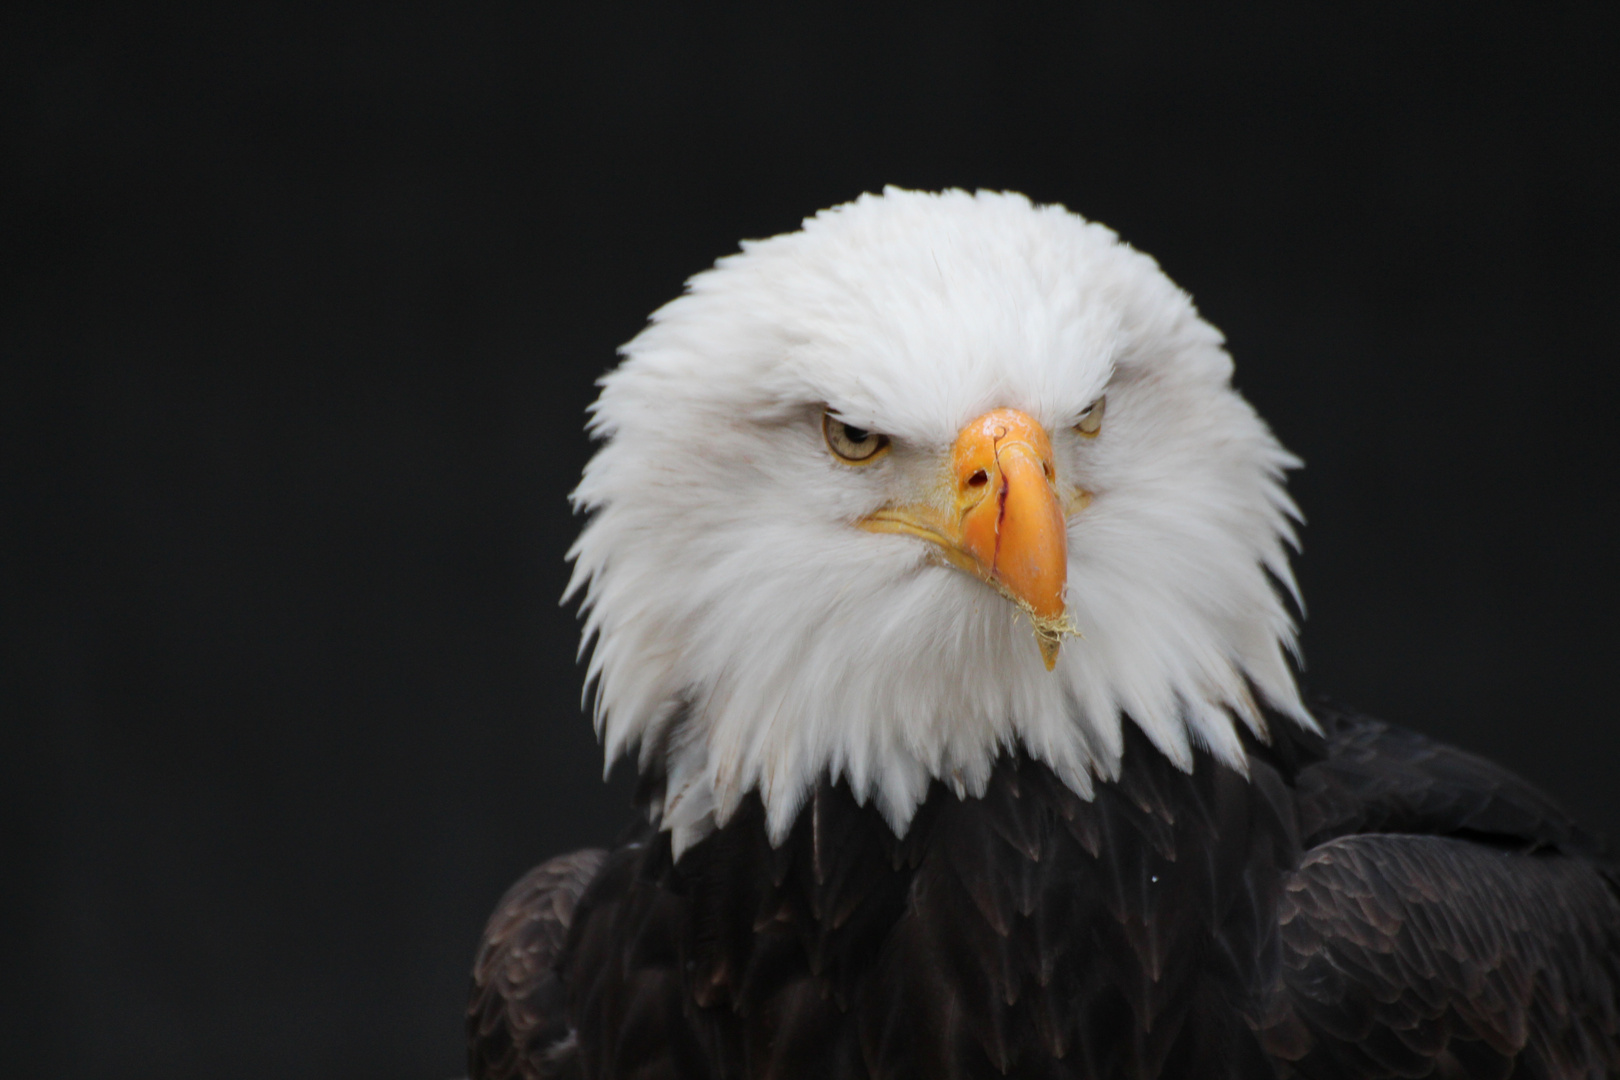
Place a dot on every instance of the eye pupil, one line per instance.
(852, 445)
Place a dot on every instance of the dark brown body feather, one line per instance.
(1368, 905)
(517, 1019)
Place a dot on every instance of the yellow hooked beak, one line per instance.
(1003, 520)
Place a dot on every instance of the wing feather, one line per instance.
(1408, 956)
(1379, 778)
(517, 1024)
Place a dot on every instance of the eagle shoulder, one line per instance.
(1445, 918)
(517, 1011)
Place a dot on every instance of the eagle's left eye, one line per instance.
(1090, 422)
(850, 444)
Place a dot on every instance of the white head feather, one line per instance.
(746, 631)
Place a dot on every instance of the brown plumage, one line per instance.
(1368, 904)
(517, 1018)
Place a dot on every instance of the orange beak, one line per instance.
(1001, 519)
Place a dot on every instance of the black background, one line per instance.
(301, 312)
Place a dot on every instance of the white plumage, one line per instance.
(727, 590)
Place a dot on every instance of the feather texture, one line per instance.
(1206, 924)
(882, 839)
(517, 1019)
(740, 628)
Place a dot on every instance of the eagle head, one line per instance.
(935, 477)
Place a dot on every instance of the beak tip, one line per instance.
(1049, 650)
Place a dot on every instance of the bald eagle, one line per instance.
(936, 581)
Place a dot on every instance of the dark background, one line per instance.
(300, 313)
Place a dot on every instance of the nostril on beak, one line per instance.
(978, 479)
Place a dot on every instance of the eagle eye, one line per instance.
(850, 444)
(1090, 421)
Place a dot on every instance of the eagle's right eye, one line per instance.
(850, 444)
